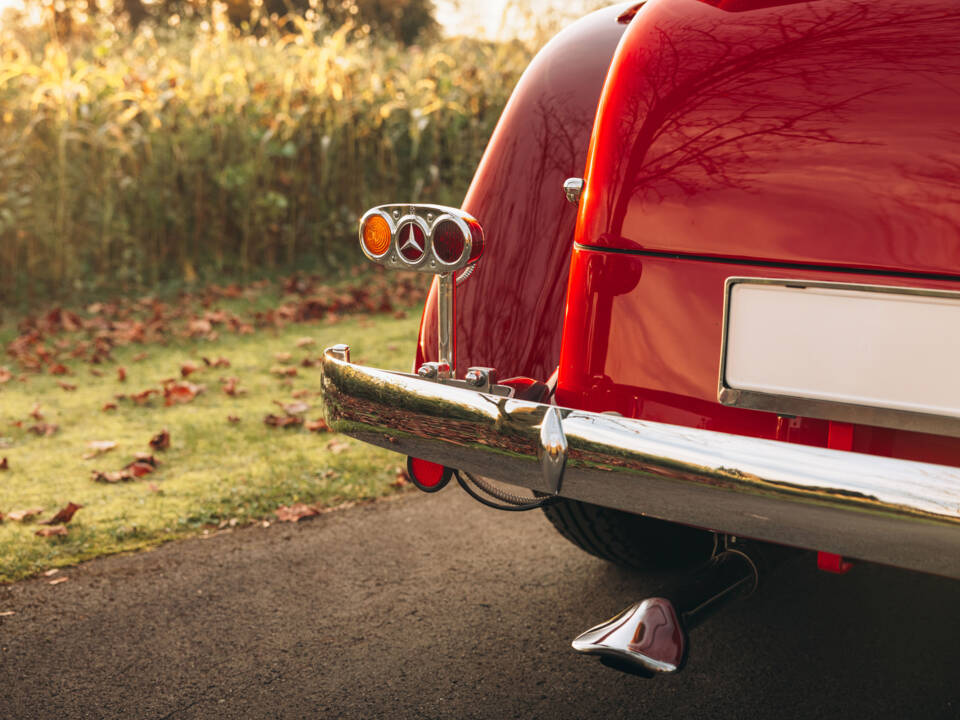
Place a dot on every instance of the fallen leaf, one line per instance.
(282, 371)
(51, 572)
(220, 362)
(319, 425)
(160, 441)
(282, 357)
(143, 397)
(180, 392)
(294, 408)
(121, 374)
(43, 429)
(110, 477)
(66, 386)
(59, 369)
(295, 512)
(299, 394)
(24, 515)
(139, 469)
(96, 373)
(306, 342)
(283, 421)
(400, 314)
(63, 516)
(230, 387)
(337, 446)
(8, 613)
(187, 369)
(402, 478)
(109, 406)
(153, 487)
(4, 464)
(35, 412)
(139, 357)
(56, 581)
(233, 419)
(309, 362)
(5, 375)
(99, 447)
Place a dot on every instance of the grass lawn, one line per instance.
(215, 472)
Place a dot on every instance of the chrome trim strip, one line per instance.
(881, 509)
(826, 409)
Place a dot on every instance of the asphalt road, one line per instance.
(433, 606)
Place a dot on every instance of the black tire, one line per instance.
(634, 541)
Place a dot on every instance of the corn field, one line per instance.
(201, 154)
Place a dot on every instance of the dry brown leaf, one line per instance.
(35, 412)
(139, 469)
(139, 357)
(8, 613)
(160, 441)
(99, 447)
(121, 374)
(24, 515)
(220, 362)
(294, 408)
(43, 429)
(283, 421)
(4, 463)
(56, 581)
(188, 368)
(180, 392)
(281, 371)
(337, 446)
(109, 406)
(309, 362)
(295, 512)
(5, 375)
(230, 387)
(66, 386)
(300, 394)
(96, 373)
(63, 516)
(110, 476)
(59, 369)
(319, 425)
(282, 357)
(306, 342)
(233, 419)
(402, 478)
(143, 397)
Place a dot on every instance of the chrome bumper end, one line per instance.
(879, 509)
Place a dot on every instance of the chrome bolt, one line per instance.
(427, 371)
(475, 378)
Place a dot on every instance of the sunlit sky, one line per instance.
(487, 18)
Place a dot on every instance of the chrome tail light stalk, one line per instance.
(426, 238)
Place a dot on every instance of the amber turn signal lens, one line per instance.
(376, 235)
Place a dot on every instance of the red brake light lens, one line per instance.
(448, 241)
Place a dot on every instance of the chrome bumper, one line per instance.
(873, 508)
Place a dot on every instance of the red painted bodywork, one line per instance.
(818, 132)
(803, 140)
(510, 311)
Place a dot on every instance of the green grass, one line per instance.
(214, 471)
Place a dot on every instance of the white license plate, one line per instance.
(841, 348)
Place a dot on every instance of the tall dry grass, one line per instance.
(197, 153)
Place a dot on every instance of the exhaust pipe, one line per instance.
(651, 636)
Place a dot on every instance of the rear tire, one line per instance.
(634, 541)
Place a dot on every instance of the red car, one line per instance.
(702, 298)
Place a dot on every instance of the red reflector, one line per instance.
(448, 241)
(832, 563)
(428, 476)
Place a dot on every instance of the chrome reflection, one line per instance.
(887, 510)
